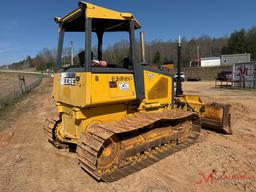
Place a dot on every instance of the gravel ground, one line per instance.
(216, 163)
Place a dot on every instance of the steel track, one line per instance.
(94, 140)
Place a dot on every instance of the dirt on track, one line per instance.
(216, 163)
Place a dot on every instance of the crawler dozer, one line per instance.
(119, 119)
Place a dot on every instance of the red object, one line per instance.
(97, 63)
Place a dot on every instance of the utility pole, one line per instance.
(72, 54)
(178, 80)
(198, 56)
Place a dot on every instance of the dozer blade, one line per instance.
(216, 116)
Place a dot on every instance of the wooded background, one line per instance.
(158, 51)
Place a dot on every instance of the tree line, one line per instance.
(242, 41)
(159, 51)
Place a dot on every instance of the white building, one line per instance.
(235, 58)
(222, 60)
(210, 61)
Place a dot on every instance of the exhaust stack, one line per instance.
(142, 47)
(178, 80)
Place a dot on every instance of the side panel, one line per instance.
(72, 128)
(72, 88)
(112, 88)
(158, 88)
(56, 86)
(83, 89)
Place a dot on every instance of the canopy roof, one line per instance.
(102, 19)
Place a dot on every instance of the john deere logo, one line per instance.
(68, 79)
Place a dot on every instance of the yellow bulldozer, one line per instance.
(120, 118)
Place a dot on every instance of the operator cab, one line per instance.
(93, 27)
(94, 24)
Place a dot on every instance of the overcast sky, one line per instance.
(27, 26)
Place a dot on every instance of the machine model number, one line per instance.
(121, 78)
(68, 79)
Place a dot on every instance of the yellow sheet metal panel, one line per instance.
(72, 88)
(194, 102)
(111, 88)
(72, 128)
(68, 127)
(83, 89)
(56, 86)
(158, 88)
(94, 11)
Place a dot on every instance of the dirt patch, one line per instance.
(215, 163)
(5, 138)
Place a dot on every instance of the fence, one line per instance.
(13, 85)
